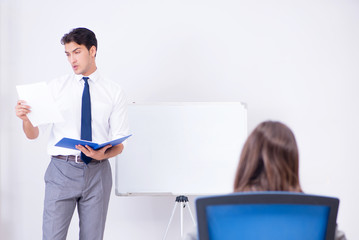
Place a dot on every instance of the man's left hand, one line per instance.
(99, 154)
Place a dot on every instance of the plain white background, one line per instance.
(293, 61)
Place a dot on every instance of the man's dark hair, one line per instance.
(81, 36)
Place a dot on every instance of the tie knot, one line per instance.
(85, 79)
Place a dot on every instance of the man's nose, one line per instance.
(72, 59)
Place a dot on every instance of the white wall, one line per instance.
(294, 61)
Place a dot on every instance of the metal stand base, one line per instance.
(184, 202)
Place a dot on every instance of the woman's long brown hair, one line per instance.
(269, 160)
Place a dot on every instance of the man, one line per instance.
(93, 109)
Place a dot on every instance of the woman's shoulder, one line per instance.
(339, 235)
(191, 235)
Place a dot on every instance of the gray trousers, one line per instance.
(69, 184)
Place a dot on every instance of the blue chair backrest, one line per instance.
(267, 215)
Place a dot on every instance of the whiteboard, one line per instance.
(181, 148)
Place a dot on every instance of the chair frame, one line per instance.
(266, 198)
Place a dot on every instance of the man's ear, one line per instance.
(93, 51)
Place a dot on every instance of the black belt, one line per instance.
(73, 158)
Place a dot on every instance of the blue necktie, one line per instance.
(86, 130)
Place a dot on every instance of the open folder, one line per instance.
(71, 143)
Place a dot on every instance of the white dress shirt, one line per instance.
(108, 111)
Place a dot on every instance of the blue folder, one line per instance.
(71, 143)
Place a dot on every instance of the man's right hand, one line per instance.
(21, 110)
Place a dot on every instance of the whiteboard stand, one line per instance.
(184, 203)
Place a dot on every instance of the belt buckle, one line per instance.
(76, 159)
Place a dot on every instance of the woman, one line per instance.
(269, 162)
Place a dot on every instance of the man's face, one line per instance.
(81, 59)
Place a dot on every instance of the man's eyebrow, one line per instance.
(74, 50)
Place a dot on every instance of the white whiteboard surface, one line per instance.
(181, 148)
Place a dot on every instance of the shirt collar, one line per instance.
(93, 77)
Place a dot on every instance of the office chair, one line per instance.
(267, 215)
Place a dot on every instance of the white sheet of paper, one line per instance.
(43, 107)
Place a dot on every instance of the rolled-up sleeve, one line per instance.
(119, 125)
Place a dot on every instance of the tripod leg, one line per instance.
(190, 212)
(183, 205)
(169, 223)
